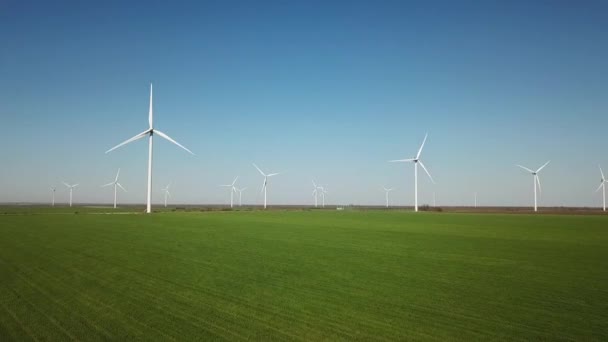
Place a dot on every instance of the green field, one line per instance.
(303, 275)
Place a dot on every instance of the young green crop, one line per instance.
(309, 275)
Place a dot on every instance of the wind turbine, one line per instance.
(315, 192)
(167, 193)
(536, 181)
(240, 195)
(416, 161)
(116, 184)
(149, 133)
(387, 191)
(232, 190)
(603, 182)
(71, 187)
(265, 185)
(475, 195)
(53, 191)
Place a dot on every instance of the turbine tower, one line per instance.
(240, 191)
(265, 185)
(167, 193)
(603, 182)
(323, 192)
(232, 190)
(149, 133)
(416, 161)
(536, 181)
(315, 193)
(53, 191)
(71, 187)
(387, 191)
(116, 184)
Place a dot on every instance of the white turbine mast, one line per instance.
(602, 186)
(323, 192)
(416, 161)
(71, 187)
(315, 193)
(53, 189)
(240, 191)
(150, 134)
(265, 185)
(387, 190)
(536, 181)
(232, 190)
(116, 185)
(167, 193)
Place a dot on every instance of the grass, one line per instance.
(289, 275)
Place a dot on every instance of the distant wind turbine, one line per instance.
(116, 184)
(71, 187)
(240, 191)
(536, 181)
(232, 190)
(149, 133)
(167, 193)
(386, 190)
(265, 185)
(416, 161)
(603, 182)
(53, 191)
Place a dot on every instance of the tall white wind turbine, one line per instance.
(603, 182)
(536, 181)
(167, 193)
(416, 161)
(232, 190)
(240, 191)
(149, 133)
(265, 185)
(116, 184)
(386, 190)
(71, 187)
(53, 189)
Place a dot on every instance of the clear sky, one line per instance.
(313, 89)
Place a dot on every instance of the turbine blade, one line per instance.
(243, 189)
(602, 172)
(137, 137)
(150, 113)
(120, 186)
(538, 182)
(314, 184)
(542, 167)
(421, 146)
(75, 185)
(427, 171)
(259, 170)
(273, 174)
(525, 168)
(234, 181)
(163, 135)
(66, 184)
(402, 160)
(599, 187)
(103, 186)
(117, 173)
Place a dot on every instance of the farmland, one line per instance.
(302, 275)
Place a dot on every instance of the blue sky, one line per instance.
(315, 89)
